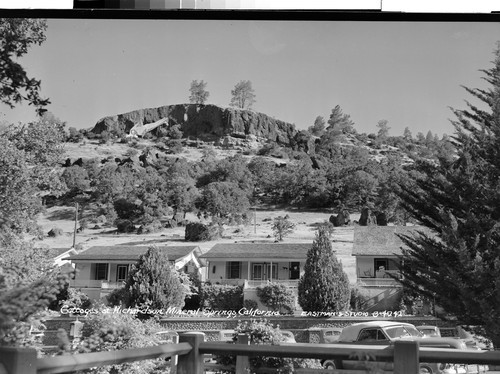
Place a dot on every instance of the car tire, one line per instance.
(329, 365)
(425, 370)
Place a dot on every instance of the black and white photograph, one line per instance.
(249, 192)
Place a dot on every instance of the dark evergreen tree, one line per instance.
(340, 122)
(324, 287)
(458, 263)
(154, 282)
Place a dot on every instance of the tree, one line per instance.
(383, 129)
(153, 282)
(340, 122)
(282, 227)
(198, 93)
(222, 199)
(277, 297)
(407, 135)
(324, 285)
(457, 264)
(243, 95)
(16, 36)
(319, 126)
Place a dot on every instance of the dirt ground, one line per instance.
(63, 217)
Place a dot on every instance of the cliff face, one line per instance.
(206, 122)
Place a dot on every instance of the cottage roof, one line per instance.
(130, 253)
(258, 250)
(382, 240)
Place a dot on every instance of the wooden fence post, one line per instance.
(191, 363)
(174, 359)
(18, 360)
(406, 357)
(242, 362)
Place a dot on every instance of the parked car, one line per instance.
(386, 333)
(329, 334)
(226, 335)
(288, 335)
(429, 331)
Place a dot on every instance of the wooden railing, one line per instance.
(189, 355)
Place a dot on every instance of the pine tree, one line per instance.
(198, 93)
(324, 287)
(459, 200)
(243, 96)
(153, 282)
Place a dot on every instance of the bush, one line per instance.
(124, 225)
(55, 232)
(152, 227)
(197, 232)
(250, 304)
(221, 297)
(110, 332)
(263, 332)
(277, 297)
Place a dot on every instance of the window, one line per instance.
(233, 270)
(101, 271)
(368, 335)
(121, 273)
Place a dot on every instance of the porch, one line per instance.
(255, 273)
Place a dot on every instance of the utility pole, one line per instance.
(76, 221)
(255, 220)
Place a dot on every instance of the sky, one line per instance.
(408, 73)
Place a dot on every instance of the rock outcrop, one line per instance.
(207, 122)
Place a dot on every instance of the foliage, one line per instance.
(339, 122)
(319, 126)
(221, 297)
(277, 297)
(324, 286)
(282, 227)
(458, 262)
(222, 199)
(199, 232)
(154, 283)
(111, 332)
(262, 332)
(21, 304)
(242, 96)
(124, 226)
(198, 93)
(17, 35)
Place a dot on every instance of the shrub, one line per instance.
(55, 232)
(110, 332)
(124, 225)
(277, 297)
(282, 227)
(221, 297)
(152, 227)
(197, 231)
(250, 304)
(262, 332)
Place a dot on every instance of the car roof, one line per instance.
(427, 327)
(350, 333)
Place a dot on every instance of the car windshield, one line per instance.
(401, 331)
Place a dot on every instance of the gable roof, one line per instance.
(130, 253)
(382, 240)
(258, 250)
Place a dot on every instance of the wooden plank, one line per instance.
(64, 364)
(406, 357)
(192, 362)
(18, 360)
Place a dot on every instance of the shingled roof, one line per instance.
(130, 253)
(381, 240)
(258, 250)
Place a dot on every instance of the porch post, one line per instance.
(271, 271)
(109, 272)
(249, 276)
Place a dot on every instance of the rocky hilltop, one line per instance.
(206, 122)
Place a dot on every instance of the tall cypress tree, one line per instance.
(154, 282)
(459, 199)
(324, 287)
